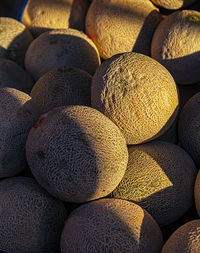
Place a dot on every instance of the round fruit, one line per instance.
(13, 76)
(138, 94)
(173, 4)
(185, 239)
(31, 221)
(175, 45)
(160, 178)
(62, 86)
(18, 113)
(41, 16)
(77, 154)
(14, 40)
(121, 26)
(58, 48)
(111, 225)
(197, 193)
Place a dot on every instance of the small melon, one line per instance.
(111, 225)
(62, 86)
(197, 193)
(31, 220)
(121, 26)
(138, 94)
(61, 47)
(176, 46)
(185, 239)
(18, 113)
(173, 4)
(160, 177)
(77, 154)
(14, 40)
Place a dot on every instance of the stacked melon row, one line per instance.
(88, 134)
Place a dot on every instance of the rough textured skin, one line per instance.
(14, 40)
(40, 16)
(31, 221)
(13, 76)
(138, 94)
(173, 4)
(110, 226)
(58, 48)
(175, 45)
(160, 177)
(197, 193)
(77, 154)
(186, 239)
(62, 86)
(18, 113)
(188, 127)
(118, 26)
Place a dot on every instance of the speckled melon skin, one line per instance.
(61, 47)
(31, 220)
(62, 86)
(175, 45)
(111, 225)
(18, 113)
(14, 40)
(160, 177)
(173, 4)
(138, 94)
(77, 154)
(185, 239)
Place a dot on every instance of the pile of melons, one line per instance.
(100, 127)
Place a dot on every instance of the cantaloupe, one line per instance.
(111, 225)
(40, 16)
(173, 4)
(14, 40)
(62, 86)
(77, 154)
(189, 127)
(61, 47)
(160, 177)
(197, 193)
(18, 113)
(138, 94)
(13, 76)
(175, 45)
(122, 26)
(185, 239)
(31, 220)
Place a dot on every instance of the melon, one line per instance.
(61, 47)
(62, 86)
(175, 45)
(18, 113)
(31, 220)
(121, 26)
(76, 153)
(160, 177)
(14, 40)
(138, 94)
(173, 4)
(111, 225)
(197, 193)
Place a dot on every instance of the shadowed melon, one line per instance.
(31, 220)
(62, 86)
(77, 154)
(160, 178)
(173, 4)
(111, 225)
(197, 193)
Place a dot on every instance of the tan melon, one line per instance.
(40, 16)
(14, 40)
(160, 177)
(18, 113)
(111, 225)
(62, 86)
(31, 220)
(197, 193)
(61, 47)
(138, 94)
(118, 26)
(173, 4)
(175, 45)
(77, 154)
(13, 76)
(184, 239)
